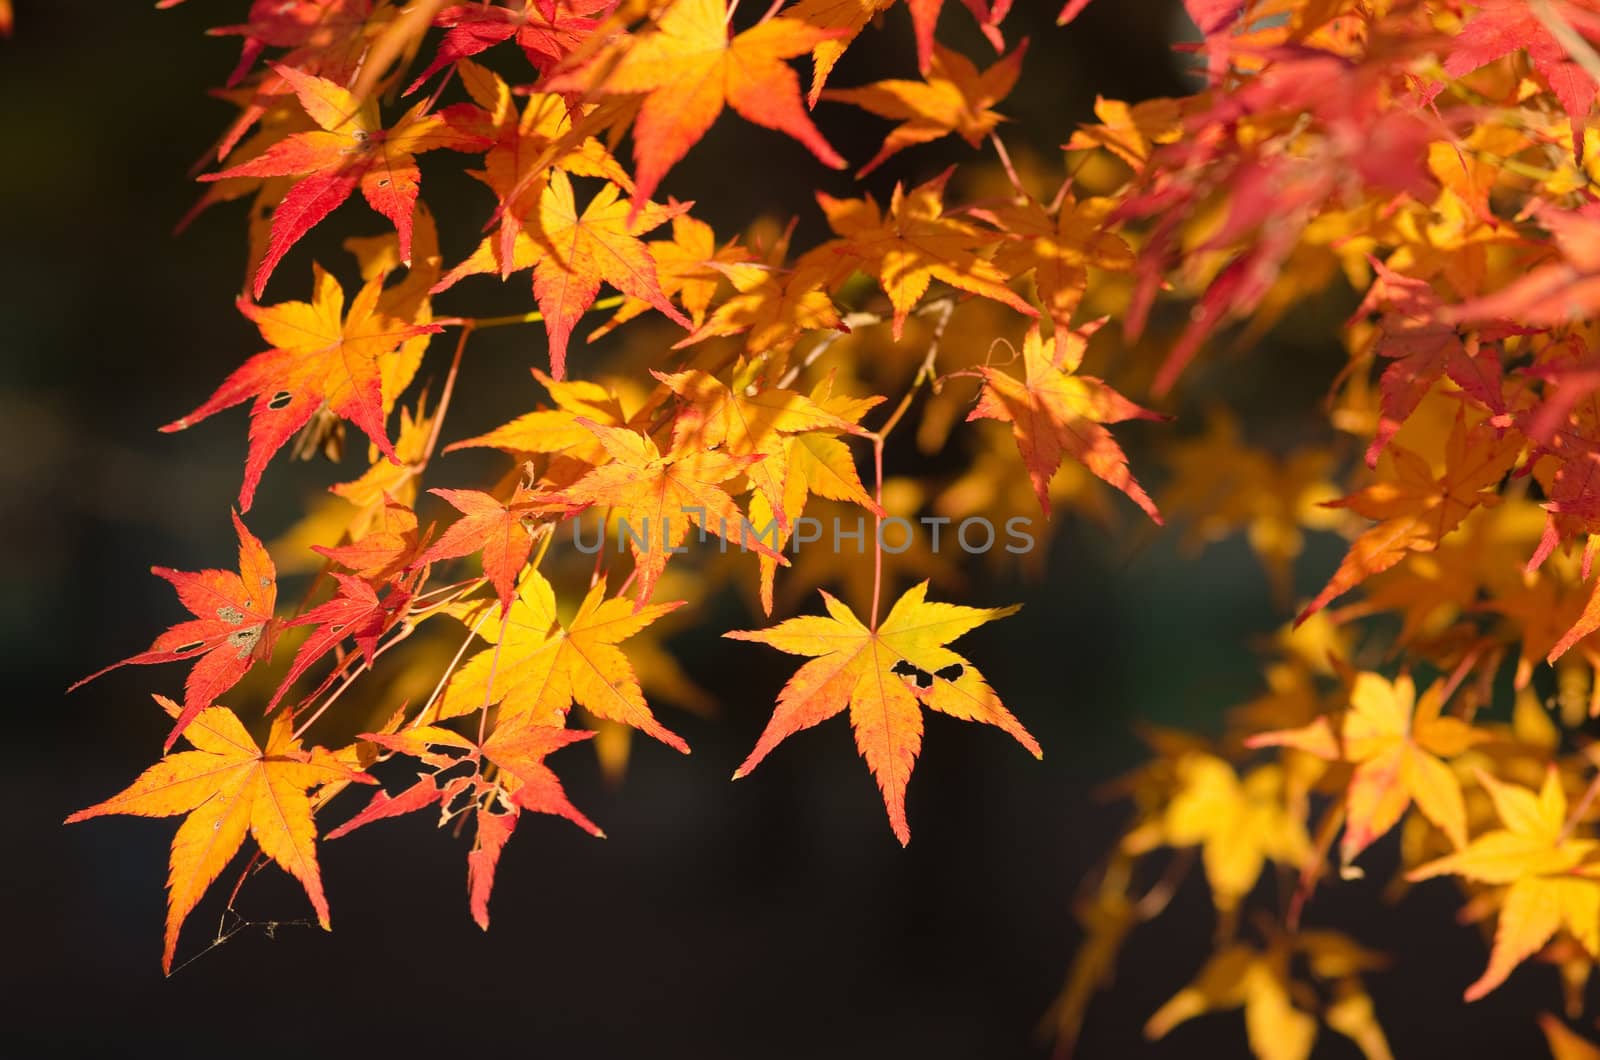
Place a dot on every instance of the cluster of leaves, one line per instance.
(1438, 157)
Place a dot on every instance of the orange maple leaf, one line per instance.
(954, 99)
(390, 544)
(571, 252)
(1055, 413)
(527, 145)
(558, 431)
(884, 675)
(847, 18)
(744, 418)
(229, 786)
(811, 463)
(1416, 508)
(690, 267)
(322, 358)
(518, 748)
(501, 530)
(774, 305)
(1059, 250)
(915, 243)
(690, 68)
(657, 497)
(842, 21)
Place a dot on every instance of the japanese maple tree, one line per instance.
(1432, 167)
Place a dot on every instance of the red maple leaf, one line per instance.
(547, 31)
(355, 613)
(350, 150)
(232, 630)
(1502, 27)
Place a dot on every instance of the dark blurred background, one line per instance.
(772, 918)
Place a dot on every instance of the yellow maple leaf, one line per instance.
(1261, 982)
(538, 666)
(1238, 823)
(884, 675)
(1535, 853)
(1397, 745)
(230, 786)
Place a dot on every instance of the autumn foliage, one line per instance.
(1433, 163)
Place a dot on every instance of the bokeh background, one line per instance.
(772, 918)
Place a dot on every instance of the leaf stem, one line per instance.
(941, 309)
(535, 317)
(1005, 161)
(444, 399)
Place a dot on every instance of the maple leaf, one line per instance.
(546, 30)
(1105, 917)
(228, 785)
(954, 99)
(302, 26)
(571, 253)
(1220, 485)
(502, 531)
(321, 358)
(518, 749)
(232, 630)
(1131, 131)
(748, 419)
(1263, 982)
(773, 304)
(1564, 1043)
(1552, 294)
(559, 431)
(349, 150)
(1055, 413)
(527, 145)
(1501, 27)
(658, 497)
(494, 831)
(840, 22)
(915, 243)
(1424, 348)
(690, 68)
(1397, 752)
(389, 545)
(879, 674)
(689, 266)
(1417, 509)
(1058, 250)
(355, 612)
(1550, 886)
(1238, 823)
(540, 666)
(811, 462)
